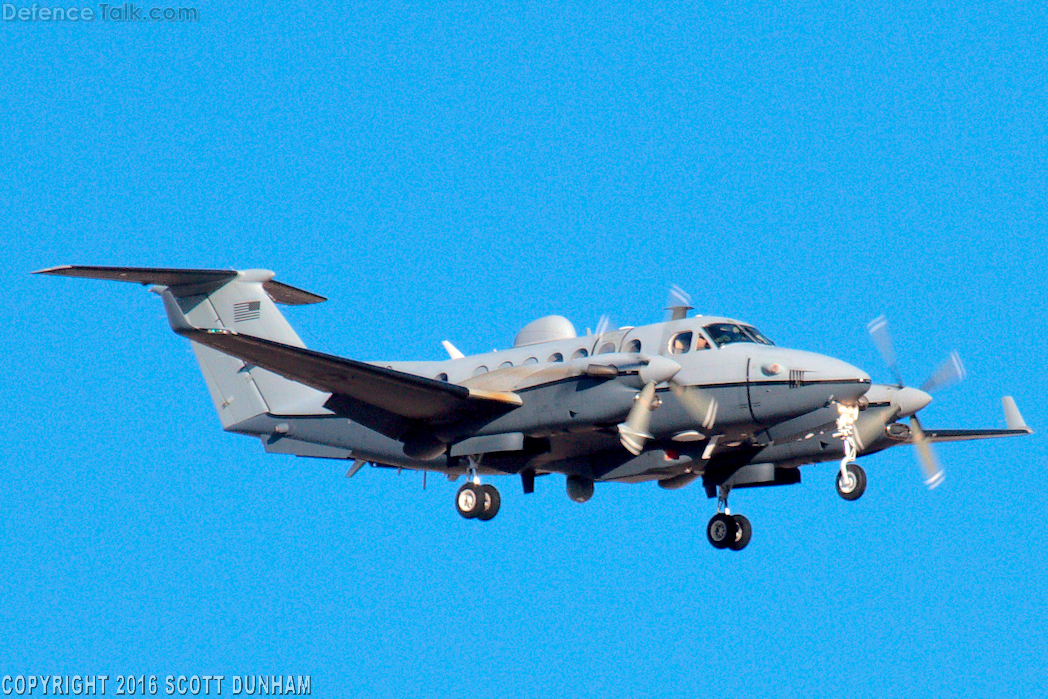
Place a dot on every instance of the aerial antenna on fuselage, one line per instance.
(452, 351)
(679, 303)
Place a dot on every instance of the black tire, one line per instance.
(743, 533)
(492, 502)
(469, 501)
(721, 530)
(854, 489)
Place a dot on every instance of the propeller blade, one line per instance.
(878, 330)
(603, 325)
(950, 372)
(930, 467)
(633, 433)
(678, 304)
(699, 404)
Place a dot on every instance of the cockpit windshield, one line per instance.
(757, 335)
(727, 333)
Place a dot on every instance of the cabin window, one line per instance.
(632, 346)
(531, 360)
(480, 370)
(556, 357)
(505, 365)
(606, 348)
(680, 343)
(580, 353)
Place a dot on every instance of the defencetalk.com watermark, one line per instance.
(127, 12)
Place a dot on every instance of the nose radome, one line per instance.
(910, 400)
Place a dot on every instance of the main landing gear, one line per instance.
(479, 501)
(728, 531)
(474, 500)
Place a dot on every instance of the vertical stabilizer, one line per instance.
(241, 391)
(243, 301)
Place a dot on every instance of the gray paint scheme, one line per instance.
(775, 407)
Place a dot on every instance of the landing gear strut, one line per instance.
(728, 531)
(851, 479)
(474, 500)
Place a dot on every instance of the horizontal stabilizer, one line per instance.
(143, 275)
(384, 399)
(290, 295)
(278, 291)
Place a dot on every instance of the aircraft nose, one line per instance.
(828, 368)
(856, 382)
(909, 400)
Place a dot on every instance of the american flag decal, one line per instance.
(248, 310)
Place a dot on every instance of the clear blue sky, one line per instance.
(452, 172)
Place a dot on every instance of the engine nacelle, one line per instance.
(579, 489)
(423, 446)
(678, 481)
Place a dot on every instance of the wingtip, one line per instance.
(52, 270)
(1012, 417)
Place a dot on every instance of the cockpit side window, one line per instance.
(727, 333)
(680, 343)
(757, 335)
(701, 343)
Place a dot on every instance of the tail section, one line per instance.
(244, 301)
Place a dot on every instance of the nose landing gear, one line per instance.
(851, 479)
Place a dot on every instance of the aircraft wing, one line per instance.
(1014, 420)
(383, 399)
(965, 435)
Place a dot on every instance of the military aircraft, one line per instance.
(690, 398)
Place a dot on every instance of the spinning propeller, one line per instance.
(656, 369)
(949, 373)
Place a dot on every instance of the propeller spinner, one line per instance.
(908, 401)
